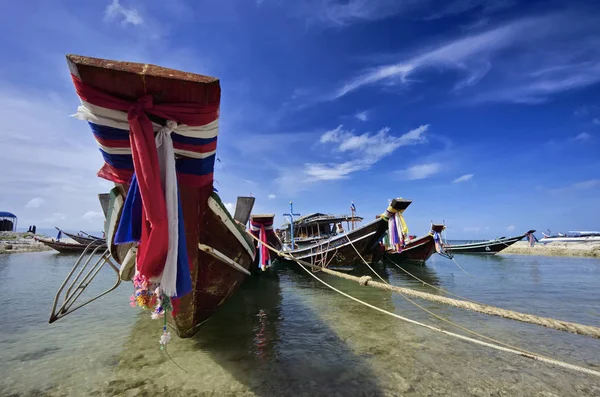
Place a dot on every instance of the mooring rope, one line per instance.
(426, 283)
(366, 281)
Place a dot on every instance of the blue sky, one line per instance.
(485, 113)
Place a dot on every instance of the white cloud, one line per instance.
(586, 184)
(583, 185)
(62, 171)
(230, 207)
(93, 216)
(127, 15)
(421, 171)
(463, 178)
(532, 58)
(338, 14)
(596, 121)
(510, 228)
(362, 116)
(35, 202)
(364, 149)
(272, 196)
(582, 137)
(51, 220)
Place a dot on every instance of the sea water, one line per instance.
(288, 335)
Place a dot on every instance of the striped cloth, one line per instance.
(158, 156)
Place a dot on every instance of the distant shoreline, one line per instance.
(18, 242)
(589, 250)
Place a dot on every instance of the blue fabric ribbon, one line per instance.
(130, 225)
(184, 278)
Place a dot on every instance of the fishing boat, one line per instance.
(82, 239)
(61, 246)
(261, 227)
(166, 227)
(419, 250)
(489, 246)
(571, 237)
(322, 240)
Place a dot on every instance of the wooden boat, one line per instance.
(129, 107)
(487, 247)
(419, 250)
(62, 247)
(82, 239)
(320, 239)
(261, 227)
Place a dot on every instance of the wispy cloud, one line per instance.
(420, 171)
(578, 186)
(564, 59)
(339, 14)
(596, 121)
(333, 13)
(35, 202)
(115, 11)
(272, 196)
(582, 137)
(362, 116)
(510, 228)
(364, 149)
(464, 178)
(93, 216)
(586, 184)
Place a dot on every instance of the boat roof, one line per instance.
(319, 217)
(6, 214)
(262, 217)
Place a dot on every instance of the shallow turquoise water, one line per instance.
(289, 335)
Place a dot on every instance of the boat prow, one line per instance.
(166, 227)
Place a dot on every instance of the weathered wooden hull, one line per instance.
(416, 251)
(84, 240)
(213, 280)
(342, 249)
(219, 252)
(63, 248)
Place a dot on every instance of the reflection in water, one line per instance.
(286, 334)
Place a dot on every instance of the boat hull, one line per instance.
(342, 249)
(63, 248)
(207, 222)
(485, 247)
(416, 251)
(84, 240)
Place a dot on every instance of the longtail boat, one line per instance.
(261, 227)
(82, 239)
(61, 246)
(489, 246)
(419, 250)
(166, 227)
(321, 239)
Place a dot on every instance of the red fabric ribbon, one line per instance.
(153, 245)
(264, 249)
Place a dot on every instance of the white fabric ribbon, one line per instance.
(168, 177)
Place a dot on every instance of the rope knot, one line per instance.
(364, 280)
(143, 103)
(169, 127)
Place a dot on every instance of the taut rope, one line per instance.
(367, 281)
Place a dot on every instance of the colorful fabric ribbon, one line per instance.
(158, 234)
